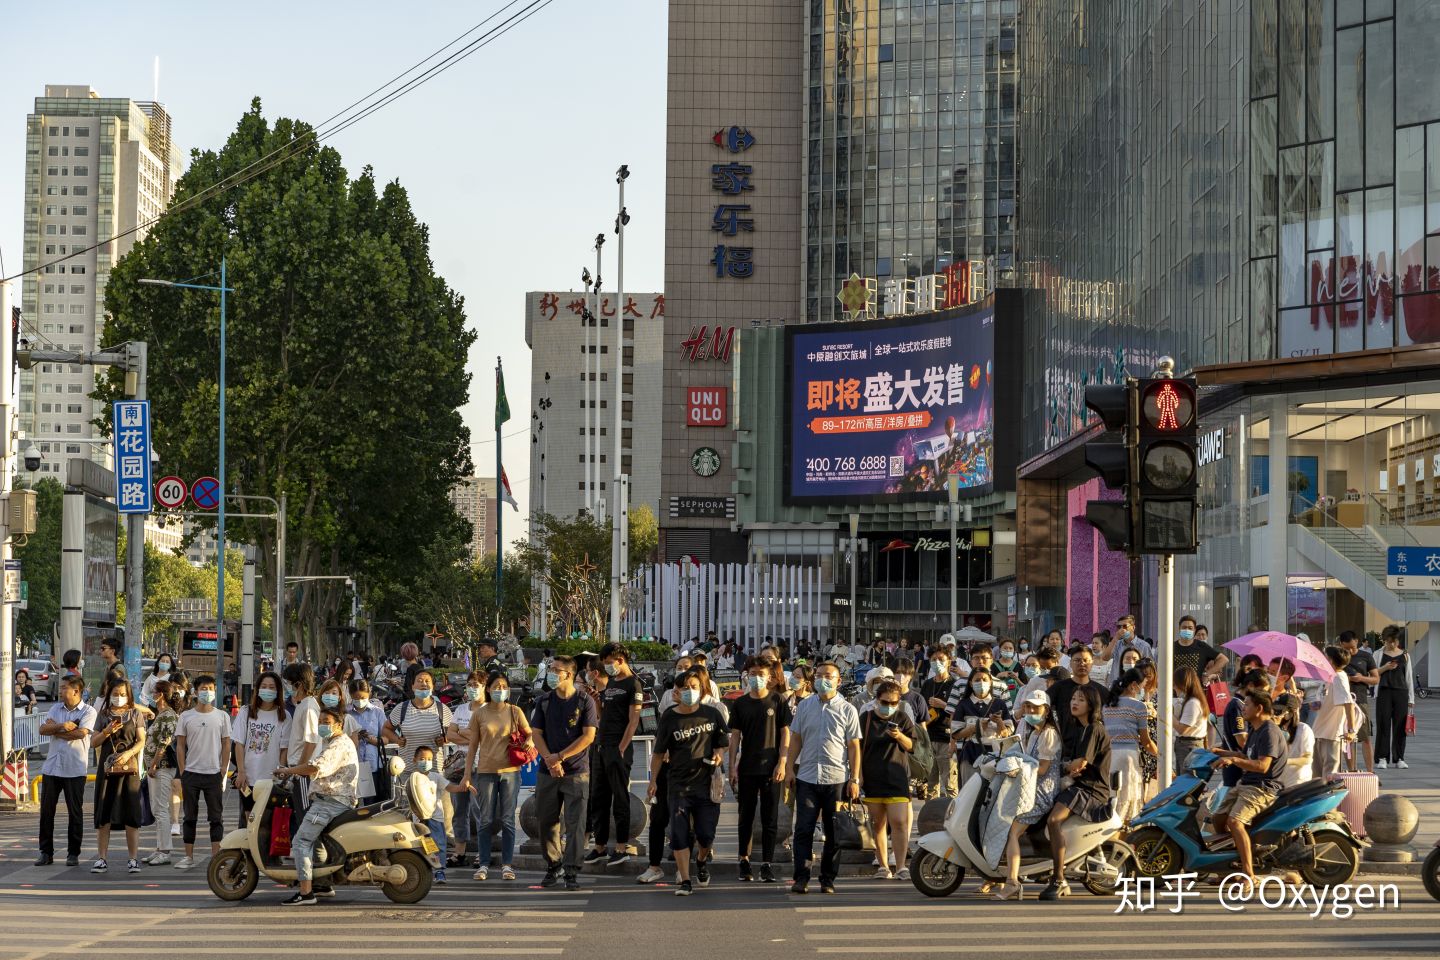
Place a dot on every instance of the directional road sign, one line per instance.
(132, 456)
(170, 492)
(205, 493)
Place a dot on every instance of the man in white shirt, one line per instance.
(335, 780)
(69, 725)
(202, 752)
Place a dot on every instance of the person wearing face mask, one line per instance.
(298, 683)
(333, 773)
(1007, 670)
(159, 763)
(1040, 740)
(420, 720)
(1124, 639)
(887, 735)
(563, 724)
(620, 705)
(260, 733)
(911, 700)
(202, 751)
(374, 782)
(760, 737)
(426, 764)
(490, 774)
(458, 736)
(120, 735)
(937, 689)
(822, 766)
(1394, 699)
(691, 739)
(1192, 651)
(981, 716)
(800, 684)
(1127, 726)
(164, 665)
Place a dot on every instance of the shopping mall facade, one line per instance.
(1252, 191)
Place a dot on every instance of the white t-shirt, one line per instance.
(1299, 757)
(1189, 718)
(262, 736)
(1332, 722)
(1043, 744)
(303, 721)
(205, 735)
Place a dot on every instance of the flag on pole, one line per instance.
(502, 406)
(505, 495)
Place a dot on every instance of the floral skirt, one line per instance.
(1045, 788)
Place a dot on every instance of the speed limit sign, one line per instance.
(170, 492)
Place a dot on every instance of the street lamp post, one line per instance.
(618, 512)
(219, 475)
(953, 487)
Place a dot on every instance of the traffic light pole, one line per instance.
(1165, 667)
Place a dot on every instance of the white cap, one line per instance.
(1304, 638)
(947, 640)
(875, 676)
(1038, 697)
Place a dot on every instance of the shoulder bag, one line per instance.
(521, 750)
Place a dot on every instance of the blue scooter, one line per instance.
(1300, 831)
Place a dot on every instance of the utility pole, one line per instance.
(277, 627)
(8, 409)
(618, 559)
(136, 354)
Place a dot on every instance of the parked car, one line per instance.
(44, 677)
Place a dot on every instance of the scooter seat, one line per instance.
(350, 816)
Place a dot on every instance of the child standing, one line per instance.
(425, 763)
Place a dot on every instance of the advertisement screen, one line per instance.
(101, 535)
(889, 409)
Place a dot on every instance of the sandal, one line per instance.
(507, 873)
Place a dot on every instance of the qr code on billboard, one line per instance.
(897, 466)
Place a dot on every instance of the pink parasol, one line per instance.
(1310, 661)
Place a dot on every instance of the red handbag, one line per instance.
(1217, 697)
(521, 750)
(1410, 724)
(280, 832)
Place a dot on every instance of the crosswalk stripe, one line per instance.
(343, 951)
(948, 940)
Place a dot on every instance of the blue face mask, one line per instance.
(795, 682)
(330, 699)
(472, 693)
(1035, 719)
(887, 709)
(267, 695)
(205, 696)
(824, 685)
(162, 668)
(758, 683)
(421, 693)
(289, 690)
(552, 679)
(424, 766)
(689, 696)
(325, 731)
(500, 695)
(1186, 634)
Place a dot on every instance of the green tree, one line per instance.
(345, 370)
(457, 595)
(572, 556)
(39, 559)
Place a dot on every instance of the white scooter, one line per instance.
(1097, 858)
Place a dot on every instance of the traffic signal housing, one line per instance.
(1166, 516)
(1114, 460)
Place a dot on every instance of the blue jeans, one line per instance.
(495, 796)
(322, 810)
(464, 812)
(437, 833)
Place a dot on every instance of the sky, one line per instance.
(509, 155)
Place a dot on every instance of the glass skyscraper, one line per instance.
(910, 120)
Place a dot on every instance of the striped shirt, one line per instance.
(420, 727)
(1125, 721)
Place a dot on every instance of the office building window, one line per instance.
(84, 152)
(82, 170)
(55, 152)
(85, 132)
(80, 191)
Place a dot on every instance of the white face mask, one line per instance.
(981, 689)
(118, 700)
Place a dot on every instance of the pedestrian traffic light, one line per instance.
(1168, 475)
(1114, 460)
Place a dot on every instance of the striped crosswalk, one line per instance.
(1085, 926)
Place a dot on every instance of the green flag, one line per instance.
(502, 406)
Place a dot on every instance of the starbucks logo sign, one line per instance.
(705, 461)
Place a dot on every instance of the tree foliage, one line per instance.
(345, 367)
(572, 557)
(457, 595)
(39, 560)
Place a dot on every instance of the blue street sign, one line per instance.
(205, 493)
(132, 456)
(1415, 568)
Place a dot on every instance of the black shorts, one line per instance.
(693, 820)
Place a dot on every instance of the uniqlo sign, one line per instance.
(706, 406)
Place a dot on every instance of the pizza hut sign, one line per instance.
(707, 406)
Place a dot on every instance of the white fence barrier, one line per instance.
(750, 601)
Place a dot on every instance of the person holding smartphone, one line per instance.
(887, 735)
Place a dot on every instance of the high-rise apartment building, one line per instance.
(475, 501)
(95, 168)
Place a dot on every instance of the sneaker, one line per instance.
(552, 877)
(324, 893)
(651, 875)
(684, 889)
(72, 861)
(1401, 765)
(507, 873)
(132, 866)
(882, 874)
(481, 873)
(617, 858)
(158, 859)
(440, 877)
(300, 900)
(827, 887)
(903, 873)
(572, 884)
(174, 829)
(799, 886)
(1381, 764)
(99, 866)
(184, 863)
(766, 874)
(745, 875)
(594, 856)
(702, 873)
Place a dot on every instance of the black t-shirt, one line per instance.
(1195, 656)
(1232, 727)
(615, 703)
(1060, 693)
(759, 723)
(939, 728)
(1360, 665)
(884, 767)
(561, 722)
(1266, 740)
(688, 742)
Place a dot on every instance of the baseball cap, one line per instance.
(1038, 697)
